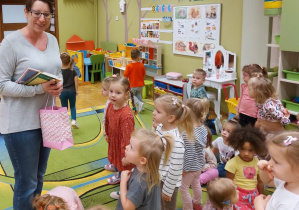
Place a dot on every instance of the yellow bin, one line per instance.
(272, 4)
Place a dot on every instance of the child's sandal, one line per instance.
(113, 180)
(109, 167)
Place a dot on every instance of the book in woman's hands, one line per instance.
(35, 77)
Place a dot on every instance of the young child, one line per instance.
(194, 157)
(221, 146)
(222, 194)
(70, 86)
(62, 198)
(246, 110)
(105, 92)
(209, 171)
(198, 89)
(135, 72)
(282, 172)
(271, 112)
(169, 114)
(140, 189)
(119, 124)
(242, 169)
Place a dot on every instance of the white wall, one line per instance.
(254, 33)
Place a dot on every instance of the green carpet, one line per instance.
(81, 166)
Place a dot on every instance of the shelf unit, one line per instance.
(163, 85)
(286, 89)
(151, 56)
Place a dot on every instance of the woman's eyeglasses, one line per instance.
(37, 14)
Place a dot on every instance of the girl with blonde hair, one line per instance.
(140, 189)
(270, 109)
(281, 172)
(170, 116)
(222, 194)
(194, 157)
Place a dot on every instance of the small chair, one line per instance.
(148, 86)
(97, 61)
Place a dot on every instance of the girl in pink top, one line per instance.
(58, 198)
(247, 111)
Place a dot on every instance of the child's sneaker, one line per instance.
(74, 124)
(115, 179)
(197, 206)
(115, 195)
(140, 107)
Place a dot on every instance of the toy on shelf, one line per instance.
(150, 53)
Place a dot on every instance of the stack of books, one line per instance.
(36, 77)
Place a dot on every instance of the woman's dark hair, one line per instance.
(29, 4)
(248, 134)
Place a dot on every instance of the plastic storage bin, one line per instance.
(161, 85)
(291, 74)
(291, 106)
(176, 89)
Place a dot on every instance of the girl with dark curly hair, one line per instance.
(242, 169)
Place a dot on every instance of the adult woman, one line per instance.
(19, 108)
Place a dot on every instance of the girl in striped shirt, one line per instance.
(170, 115)
(194, 159)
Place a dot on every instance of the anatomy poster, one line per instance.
(150, 30)
(196, 28)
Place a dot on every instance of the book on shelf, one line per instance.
(36, 77)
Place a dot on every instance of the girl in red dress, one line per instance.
(119, 124)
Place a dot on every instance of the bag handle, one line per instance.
(48, 100)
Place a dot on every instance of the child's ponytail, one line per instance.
(255, 68)
(133, 102)
(72, 64)
(169, 145)
(151, 147)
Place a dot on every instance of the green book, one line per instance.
(41, 77)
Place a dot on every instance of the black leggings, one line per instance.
(245, 120)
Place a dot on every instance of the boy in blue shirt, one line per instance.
(198, 89)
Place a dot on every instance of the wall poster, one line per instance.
(150, 30)
(196, 28)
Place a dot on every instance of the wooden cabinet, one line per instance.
(163, 86)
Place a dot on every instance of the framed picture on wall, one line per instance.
(196, 28)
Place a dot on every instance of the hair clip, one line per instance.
(174, 101)
(114, 75)
(134, 108)
(129, 88)
(226, 202)
(183, 106)
(289, 140)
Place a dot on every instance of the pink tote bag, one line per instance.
(56, 128)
